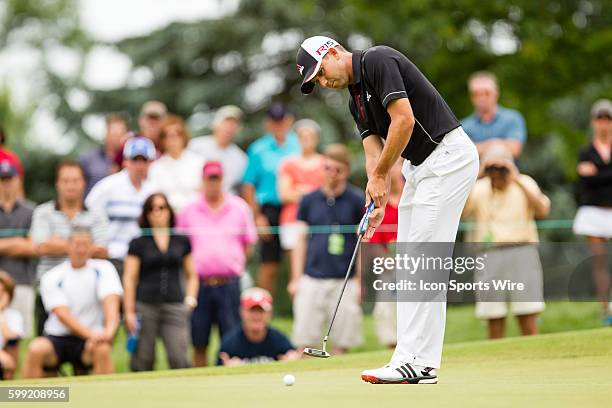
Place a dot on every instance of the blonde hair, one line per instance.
(484, 75)
(338, 152)
(172, 120)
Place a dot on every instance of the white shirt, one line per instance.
(14, 321)
(116, 196)
(179, 179)
(233, 159)
(81, 290)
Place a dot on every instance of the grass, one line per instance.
(553, 370)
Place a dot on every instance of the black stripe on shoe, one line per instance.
(409, 367)
(403, 374)
(408, 373)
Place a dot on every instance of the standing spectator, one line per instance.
(97, 163)
(594, 217)
(120, 196)
(221, 228)
(177, 172)
(260, 186)
(16, 247)
(220, 146)
(52, 224)
(82, 297)
(319, 262)
(10, 156)
(299, 175)
(504, 205)
(385, 313)
(152, 115)
(254, 341)
(152, 283)
(491, 123)
(11, 328)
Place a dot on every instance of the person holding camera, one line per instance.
(504, 205)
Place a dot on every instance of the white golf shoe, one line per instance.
(401, 373)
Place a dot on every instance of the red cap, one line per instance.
(213, 168)
(252, 297)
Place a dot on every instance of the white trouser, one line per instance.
(429, 211)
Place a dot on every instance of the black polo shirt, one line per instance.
(389, 75)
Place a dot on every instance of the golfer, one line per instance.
(399, 113)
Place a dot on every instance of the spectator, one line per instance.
(153, 290)
(10, 156)
(177, 172)
(221, 228)
(82, 297)
(299, 175)
(152, 115)
(16, 249)
(52, 224)
(504, 205)
(120, 196)
(260, 186)
(594, 217)
(254, 341)
(319, 262)
(491, 123)
(11, 328)
(98, 162)
(385, 312)
(220, 146)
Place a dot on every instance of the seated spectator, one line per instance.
(11, 157)
(177, 172)
(120, 197)
(594, 216)
(98, 162)
(299, 175)
(220, 146)
(259, 187)
(155, 304)
(221, 229)
(82, 296)
(16, 249)
(254, 341)
(504, 205)
(319, 261)
(52, 224)
(11, 328)
(491, 123)
(152, 115)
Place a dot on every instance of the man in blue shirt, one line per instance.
(319, 261)
(491, 123)
(259, 186)
(254, 341)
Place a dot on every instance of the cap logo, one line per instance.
(325, 47)
(300, 68)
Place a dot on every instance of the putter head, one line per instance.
(316, 352)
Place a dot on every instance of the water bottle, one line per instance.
(132, 339)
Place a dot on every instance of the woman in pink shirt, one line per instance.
(299, 175)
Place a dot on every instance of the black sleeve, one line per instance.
(281, 343)
(362, 127)
(136, 247)
(302, 214)
(383, 74)
(185, 245)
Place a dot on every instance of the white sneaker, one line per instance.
(402, 373)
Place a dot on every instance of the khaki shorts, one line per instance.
(519, 264)
(313, 307)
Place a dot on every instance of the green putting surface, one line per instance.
(555, 370)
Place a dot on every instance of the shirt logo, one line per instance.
(368, 96)
(300, 68)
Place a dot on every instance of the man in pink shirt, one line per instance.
(222, 230)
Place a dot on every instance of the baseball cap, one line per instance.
(277, 111)
(227, 112)
(252, 297)
(309, 58)
(7, 169)
(154, 108)
(139, 146)
(602, 107)
(212, 168)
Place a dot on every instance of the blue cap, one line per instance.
(277, 111)
(139, 146)
(7, 169)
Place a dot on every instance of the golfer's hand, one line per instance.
(377, 190)
(374, 220)
(261, 221)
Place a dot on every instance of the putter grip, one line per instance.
(365, 221)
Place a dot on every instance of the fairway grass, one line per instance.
(572, 369)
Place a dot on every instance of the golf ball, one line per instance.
(289, 379)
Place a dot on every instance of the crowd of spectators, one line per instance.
(155, 228)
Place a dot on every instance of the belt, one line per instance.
(217, 280)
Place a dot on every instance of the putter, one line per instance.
(363, 226)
